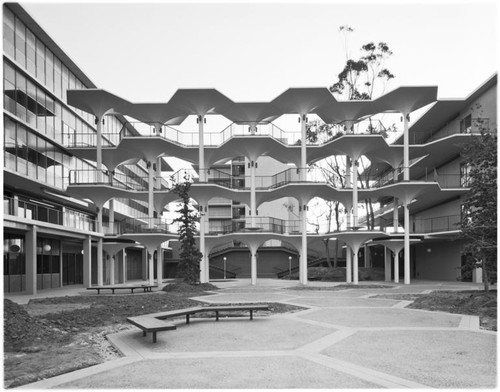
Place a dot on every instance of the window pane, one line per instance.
(8, 32)
(9, 144)
(20, 43)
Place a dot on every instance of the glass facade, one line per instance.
(38, 123)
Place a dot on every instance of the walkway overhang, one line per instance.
(199, 101)
(96, 101)
(303, 100)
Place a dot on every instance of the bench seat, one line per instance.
(146, 288)
(150, 324)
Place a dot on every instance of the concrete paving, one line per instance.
(342, 339)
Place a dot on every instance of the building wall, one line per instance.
(438, 260)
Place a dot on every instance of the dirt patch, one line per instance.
(341, 287)
(182, 287)
(475, 303)
(52, 336)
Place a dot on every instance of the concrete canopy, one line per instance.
(96, 101)
(198, 101)
(158, 113)
(405, 99)
(250, 112)
(303, 100)
(336, 112)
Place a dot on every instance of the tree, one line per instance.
(359, 77)
(190, 255)
(479, 214)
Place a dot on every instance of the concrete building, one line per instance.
(82, 183)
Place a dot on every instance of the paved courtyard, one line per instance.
(342, 339)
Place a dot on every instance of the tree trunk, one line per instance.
(486, 277)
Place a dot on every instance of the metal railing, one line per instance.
(454, 128)
(262, 224)
(116, 180)
(436, 224)
(445, 181)
(146, 225)
(67, 218)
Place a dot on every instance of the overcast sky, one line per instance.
(255, 51)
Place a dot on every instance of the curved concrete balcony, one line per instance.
(145, 226)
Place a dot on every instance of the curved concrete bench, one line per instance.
(153, 322)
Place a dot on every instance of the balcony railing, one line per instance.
(146, 225)
(477, 124)
(262, 224)
(67, 218)
(436, 224)
(116, 180)
(445, 181)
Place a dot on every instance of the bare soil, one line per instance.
(52, 336)
(474, 303)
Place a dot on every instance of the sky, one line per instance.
(144, 52)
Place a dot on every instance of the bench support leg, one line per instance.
(251, 314)
(143, 333)
(154, 337)
(216, 315)
(187, 318)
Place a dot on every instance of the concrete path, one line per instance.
(342, 339)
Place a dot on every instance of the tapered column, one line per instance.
(87, 261)
(30, 260)
(407, 244)
(253, 266)
(387, 264)
(159, 265)
(303, 152)
(201, 148)
(158, 173)
(253, 203)
(395, 217)
(303, 252)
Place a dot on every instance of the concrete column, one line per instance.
(87, 261)
(124, 268)
(367, 257)
(303, 152)
(253, 203)
(99, 148)
(348, 185)
(348, 264)
(396, 267)
(201, 149)
(144, 264)
(395, 217)
(112, 270)
(15, 205)
(159, 265)
(30, 260)
(355, 193)
(477, 275)
(158, 173)
(387, 264)
(253, 266)
(100, 268)
(151, 272)
(406, 147)
(204, 275)
(355, 263)
(407, 243)
(112, 216)
(151, 204)
(303, 252)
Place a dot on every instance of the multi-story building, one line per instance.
(50, 237)
(83, 183)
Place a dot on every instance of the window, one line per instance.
(8, 32)
(466, 124)
(20, 43)
(465, 179)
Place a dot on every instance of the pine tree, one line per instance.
(190, 256)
